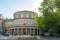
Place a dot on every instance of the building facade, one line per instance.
(22, 24)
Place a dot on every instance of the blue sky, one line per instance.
(8, 7)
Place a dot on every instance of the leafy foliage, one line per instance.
(50, 20)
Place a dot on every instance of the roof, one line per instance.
(18, 12)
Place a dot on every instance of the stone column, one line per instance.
(30, 31)
(21, 31)
(34, 31)
(10, 31)
(26, 31)
(14, 31)
(38, 31)
(17, 31)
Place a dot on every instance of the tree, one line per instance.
(50, 20)
(57, 6)
(41, 24)
(44, 21)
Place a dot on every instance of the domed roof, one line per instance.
(25, 11)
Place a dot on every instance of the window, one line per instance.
(24, 16)
(21, 15)
(27, 16)
(32, 16)
(15, 16)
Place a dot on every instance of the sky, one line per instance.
(9, 7)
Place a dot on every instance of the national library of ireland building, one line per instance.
(22, 24)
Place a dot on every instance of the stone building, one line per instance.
(22, 24)
(1, 23)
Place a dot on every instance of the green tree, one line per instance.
(41, 24)
(57, 7)
(50, 20)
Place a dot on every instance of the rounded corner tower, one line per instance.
(23, 24)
